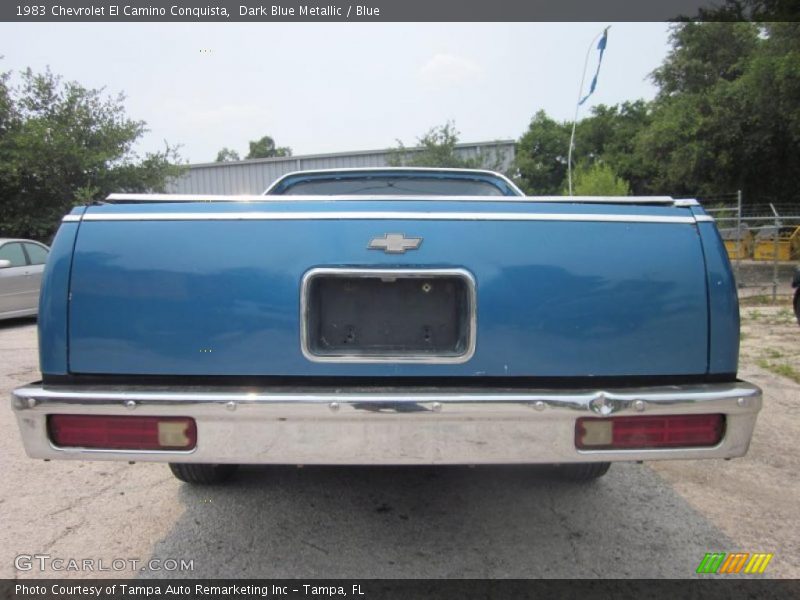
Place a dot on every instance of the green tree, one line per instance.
(265, 148)
(598, 179)
(694, 142)
(702, 54)
(609, 135)
(751, 10)
(768, 114)
(541, 158)
(726, 116)
(62, 144)
(227, 155)
(437, 148)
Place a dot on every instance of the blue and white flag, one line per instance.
(601, 45)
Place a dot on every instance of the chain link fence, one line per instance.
(762, 240)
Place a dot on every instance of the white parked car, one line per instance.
(21, 268)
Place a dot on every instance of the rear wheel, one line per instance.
(582, 472)
(202, 474)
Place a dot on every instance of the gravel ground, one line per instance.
(653, 520)
(754, 500)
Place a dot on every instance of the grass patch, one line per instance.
(782, 369)
(765, 300)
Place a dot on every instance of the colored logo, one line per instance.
(735, 562)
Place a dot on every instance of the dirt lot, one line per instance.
(756, 500)
(651, 520)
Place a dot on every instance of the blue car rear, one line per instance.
(394, 327)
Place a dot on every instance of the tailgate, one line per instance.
(287, 288)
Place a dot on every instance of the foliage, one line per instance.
(261, 148)
(782, 369)
(610, 135)
(727, 120)
(541, 158)
(702, 54)
(598, 179)
(265, 148)
(61, 145)
(437, 148)
(751, 10)
(726, 117)
(227, 155)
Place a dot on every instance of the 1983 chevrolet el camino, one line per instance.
(388, 316)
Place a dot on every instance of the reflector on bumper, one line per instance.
(122, 433)
(672, 431)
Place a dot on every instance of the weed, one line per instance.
(782, 369)
(765, 300)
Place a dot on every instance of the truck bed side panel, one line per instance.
(723, 303)
(53, 302)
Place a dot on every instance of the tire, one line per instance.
(202, 474)
(582, 472)
(797, 305)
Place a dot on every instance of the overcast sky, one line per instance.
(341, 86)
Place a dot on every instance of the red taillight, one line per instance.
(122, 433)
(623, 433)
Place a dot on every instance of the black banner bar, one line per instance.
(380, 589)
(393, 10)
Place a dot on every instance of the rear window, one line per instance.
(391, 186)
(36, 253)
(13, 252)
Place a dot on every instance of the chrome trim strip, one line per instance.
(246, 198)
(71, 219)
(387, 426)
(383, 215)
(705, 219)
(392, 273)
(698, 398)
(623, 200)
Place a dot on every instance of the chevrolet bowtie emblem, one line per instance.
(394, 243)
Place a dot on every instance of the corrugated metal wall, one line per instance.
(255, 176)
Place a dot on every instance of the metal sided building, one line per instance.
(254, 176)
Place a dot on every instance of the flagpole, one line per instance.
(577, 107)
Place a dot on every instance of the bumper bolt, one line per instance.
(130, 404)
(31, 402)
(334, 406)
(539, 405)
(741, 401)
(230, 405)
(639, 405)
(437, 407)
(601, 405)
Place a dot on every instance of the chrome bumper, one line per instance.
(387, 426)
